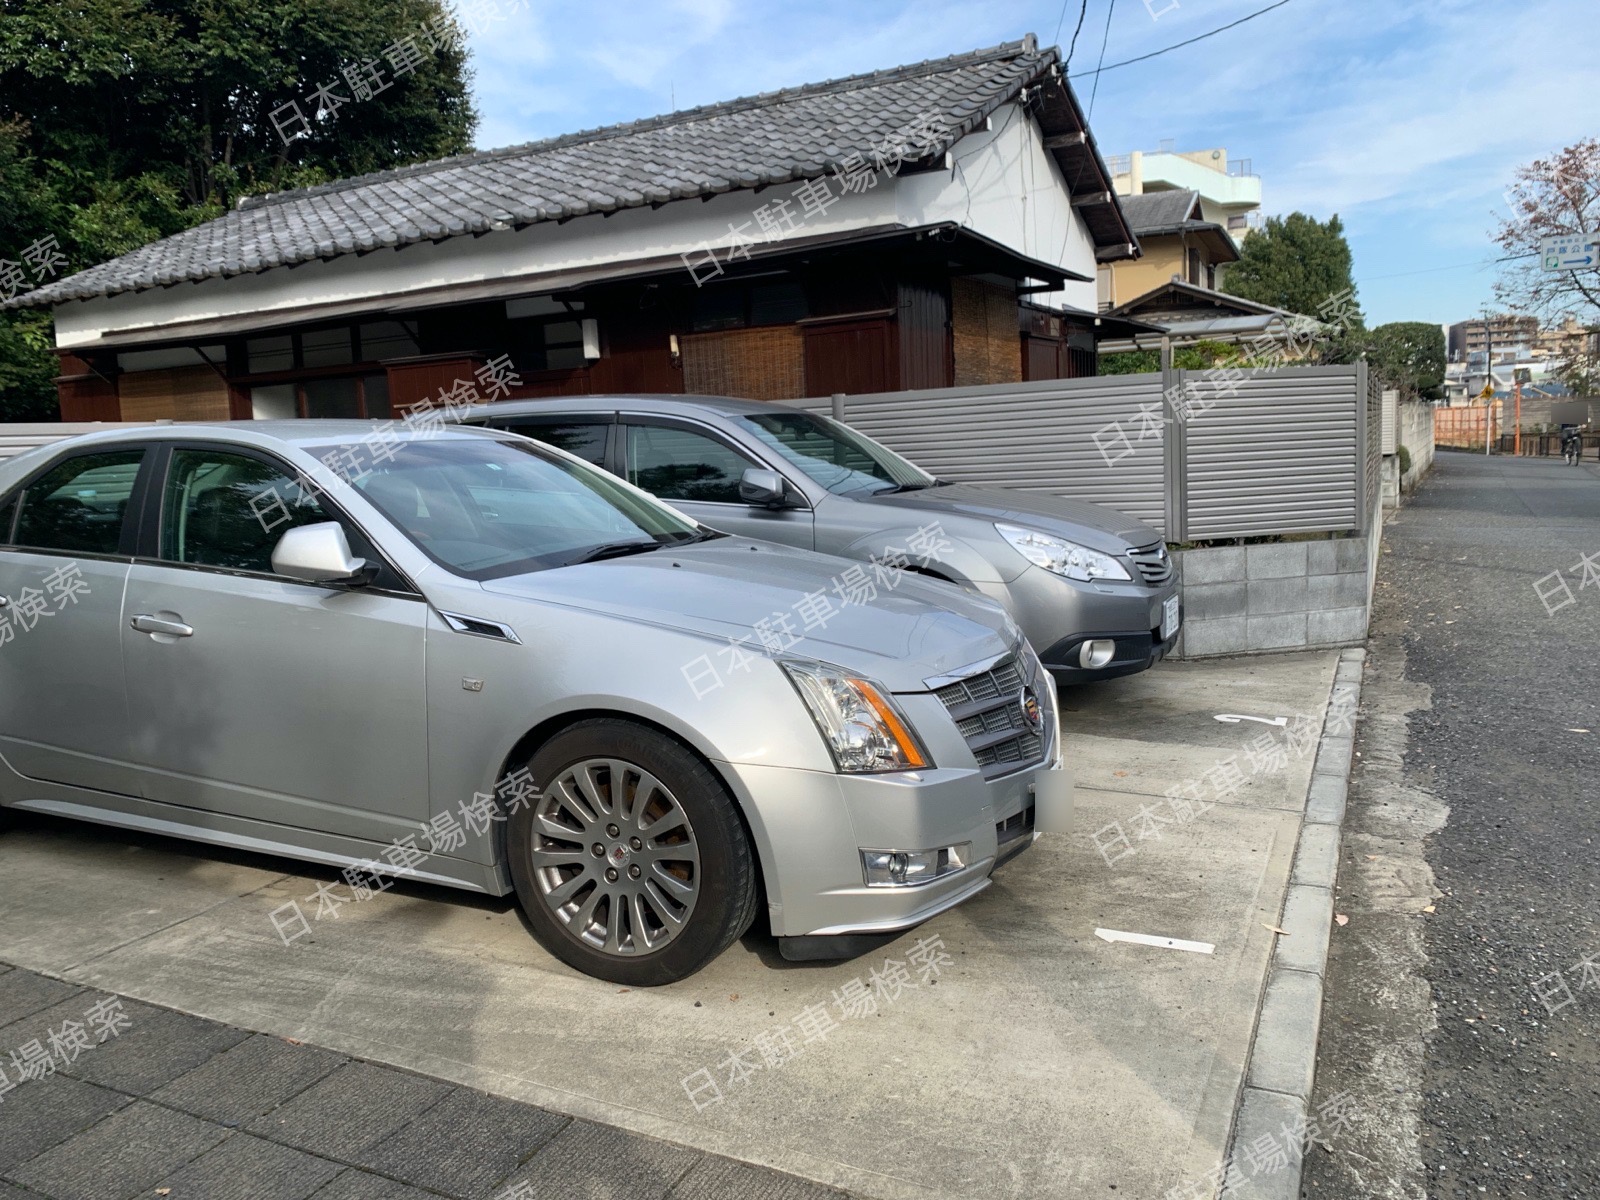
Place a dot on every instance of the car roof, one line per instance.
(727, 406)
(301, 433)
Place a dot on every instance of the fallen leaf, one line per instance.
(1372, 858)
(1428, 909)
(1119, 774)
(294, 1041)
(1341, 919)
(1275, 929)
(735, 996)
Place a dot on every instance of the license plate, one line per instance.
(1169, 618)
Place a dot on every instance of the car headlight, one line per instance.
(1061, 556)
(864, 730)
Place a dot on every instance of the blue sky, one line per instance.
(1406, 118)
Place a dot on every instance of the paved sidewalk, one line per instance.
(141, 1101)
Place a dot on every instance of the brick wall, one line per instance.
(759, 364)
(987, 341)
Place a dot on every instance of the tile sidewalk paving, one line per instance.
(189, 1109)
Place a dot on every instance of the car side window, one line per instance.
(680, 464)
(586, 439)
(79, 506)
(229, 510)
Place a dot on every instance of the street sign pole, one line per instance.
(1517, 444)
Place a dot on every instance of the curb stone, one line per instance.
(1283, 1053)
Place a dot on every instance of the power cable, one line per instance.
(1180, 45)
(1083, 7)
(1104, 38)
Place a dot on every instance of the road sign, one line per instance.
(1570, 251)
(1487, 393)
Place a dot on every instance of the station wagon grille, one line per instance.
(1154, 563)
(988, 710)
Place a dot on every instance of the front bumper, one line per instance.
(1136, 651)
(812, 827)
(1058, 615)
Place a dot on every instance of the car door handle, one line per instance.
(145, 623)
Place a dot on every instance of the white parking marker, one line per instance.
(1150, 939)
(1234, 719)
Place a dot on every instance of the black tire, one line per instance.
(725, 895)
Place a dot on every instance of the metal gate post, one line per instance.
(1174, 449)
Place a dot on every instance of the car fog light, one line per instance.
(910, 868)
(1096, 652)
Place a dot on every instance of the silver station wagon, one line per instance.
(473, 660)
(1094, 589)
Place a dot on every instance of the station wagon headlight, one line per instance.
(1061, 556)
(864, 729)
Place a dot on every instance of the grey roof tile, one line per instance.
(771, 138)
(1153, 211)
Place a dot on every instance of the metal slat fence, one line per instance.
(1259, 452)
(1030, 436)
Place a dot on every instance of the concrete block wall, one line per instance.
(1416, 435)
(1287, 596)
(1415, 432)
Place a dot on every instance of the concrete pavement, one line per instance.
(1009, 1052)
(159, 1102)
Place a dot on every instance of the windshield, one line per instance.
(834, 455)
(487, 508)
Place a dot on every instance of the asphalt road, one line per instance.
(1465, 1036)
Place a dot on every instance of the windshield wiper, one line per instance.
(703, 535)
(614, 550)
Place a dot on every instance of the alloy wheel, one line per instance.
(615, 857)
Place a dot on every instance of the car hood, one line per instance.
(1094, 525)
(722, 589)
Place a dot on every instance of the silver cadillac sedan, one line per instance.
(469, 659)
(1094, 589)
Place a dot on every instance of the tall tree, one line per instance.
(1409, 356)
(124, 121)
(1296, 263)
(1549, 197)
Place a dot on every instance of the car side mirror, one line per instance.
(318, 553)
(761, 487)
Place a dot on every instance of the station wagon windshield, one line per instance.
(835, 455)
(486, 509)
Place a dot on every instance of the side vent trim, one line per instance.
(478, 627)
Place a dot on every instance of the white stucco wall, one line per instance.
(1004, 185)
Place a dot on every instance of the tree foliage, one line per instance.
(1296, 263)
(1409, 356)
(1548, 197)
(1201, 356)
(124, 121)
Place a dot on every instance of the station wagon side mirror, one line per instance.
(761, 487)
(319, 553)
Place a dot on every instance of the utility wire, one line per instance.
(1179, 45)
(1484, 262)
(1104, 38)
(1083, 8)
